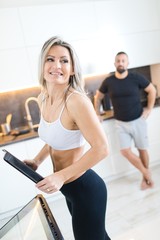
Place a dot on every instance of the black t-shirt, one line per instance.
(125, 95)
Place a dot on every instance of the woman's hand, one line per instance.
(32, 164)
(51, 183)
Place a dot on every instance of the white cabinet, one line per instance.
(16, 189)
(154, 136)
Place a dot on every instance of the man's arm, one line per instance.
(98, 101)
(151, 97)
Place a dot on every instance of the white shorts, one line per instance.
(133, 131)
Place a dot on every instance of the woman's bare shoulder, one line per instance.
(80, 96)
(79, 101)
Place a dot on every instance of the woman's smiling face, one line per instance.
(58, 65)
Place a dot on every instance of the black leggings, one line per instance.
(86, 199)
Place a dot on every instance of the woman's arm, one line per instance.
(87, 121)
(39, 158)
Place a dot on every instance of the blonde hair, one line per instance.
(76, 80)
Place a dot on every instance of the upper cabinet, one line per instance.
(96, 29)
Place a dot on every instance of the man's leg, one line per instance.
(145, 160)
(141, 163)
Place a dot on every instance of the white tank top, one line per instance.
(58, 137)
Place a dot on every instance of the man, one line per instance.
(130, 116)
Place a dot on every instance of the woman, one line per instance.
(68, 120)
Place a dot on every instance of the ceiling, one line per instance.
(22, 3)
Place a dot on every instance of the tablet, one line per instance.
(22, 167)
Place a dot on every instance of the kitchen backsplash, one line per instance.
(14, 102)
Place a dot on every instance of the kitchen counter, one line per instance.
(108, 115)
(9, 139)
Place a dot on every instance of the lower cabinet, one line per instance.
(16, 189)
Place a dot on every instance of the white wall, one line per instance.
(97, 30)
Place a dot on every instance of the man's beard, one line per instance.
(121, 70)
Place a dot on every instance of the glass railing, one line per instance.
(34, 221)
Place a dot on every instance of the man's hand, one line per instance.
(146, 112)
(100, 117)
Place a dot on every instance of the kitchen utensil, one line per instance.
(5, 128)
(9, 118)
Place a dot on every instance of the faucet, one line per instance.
(28, 116)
